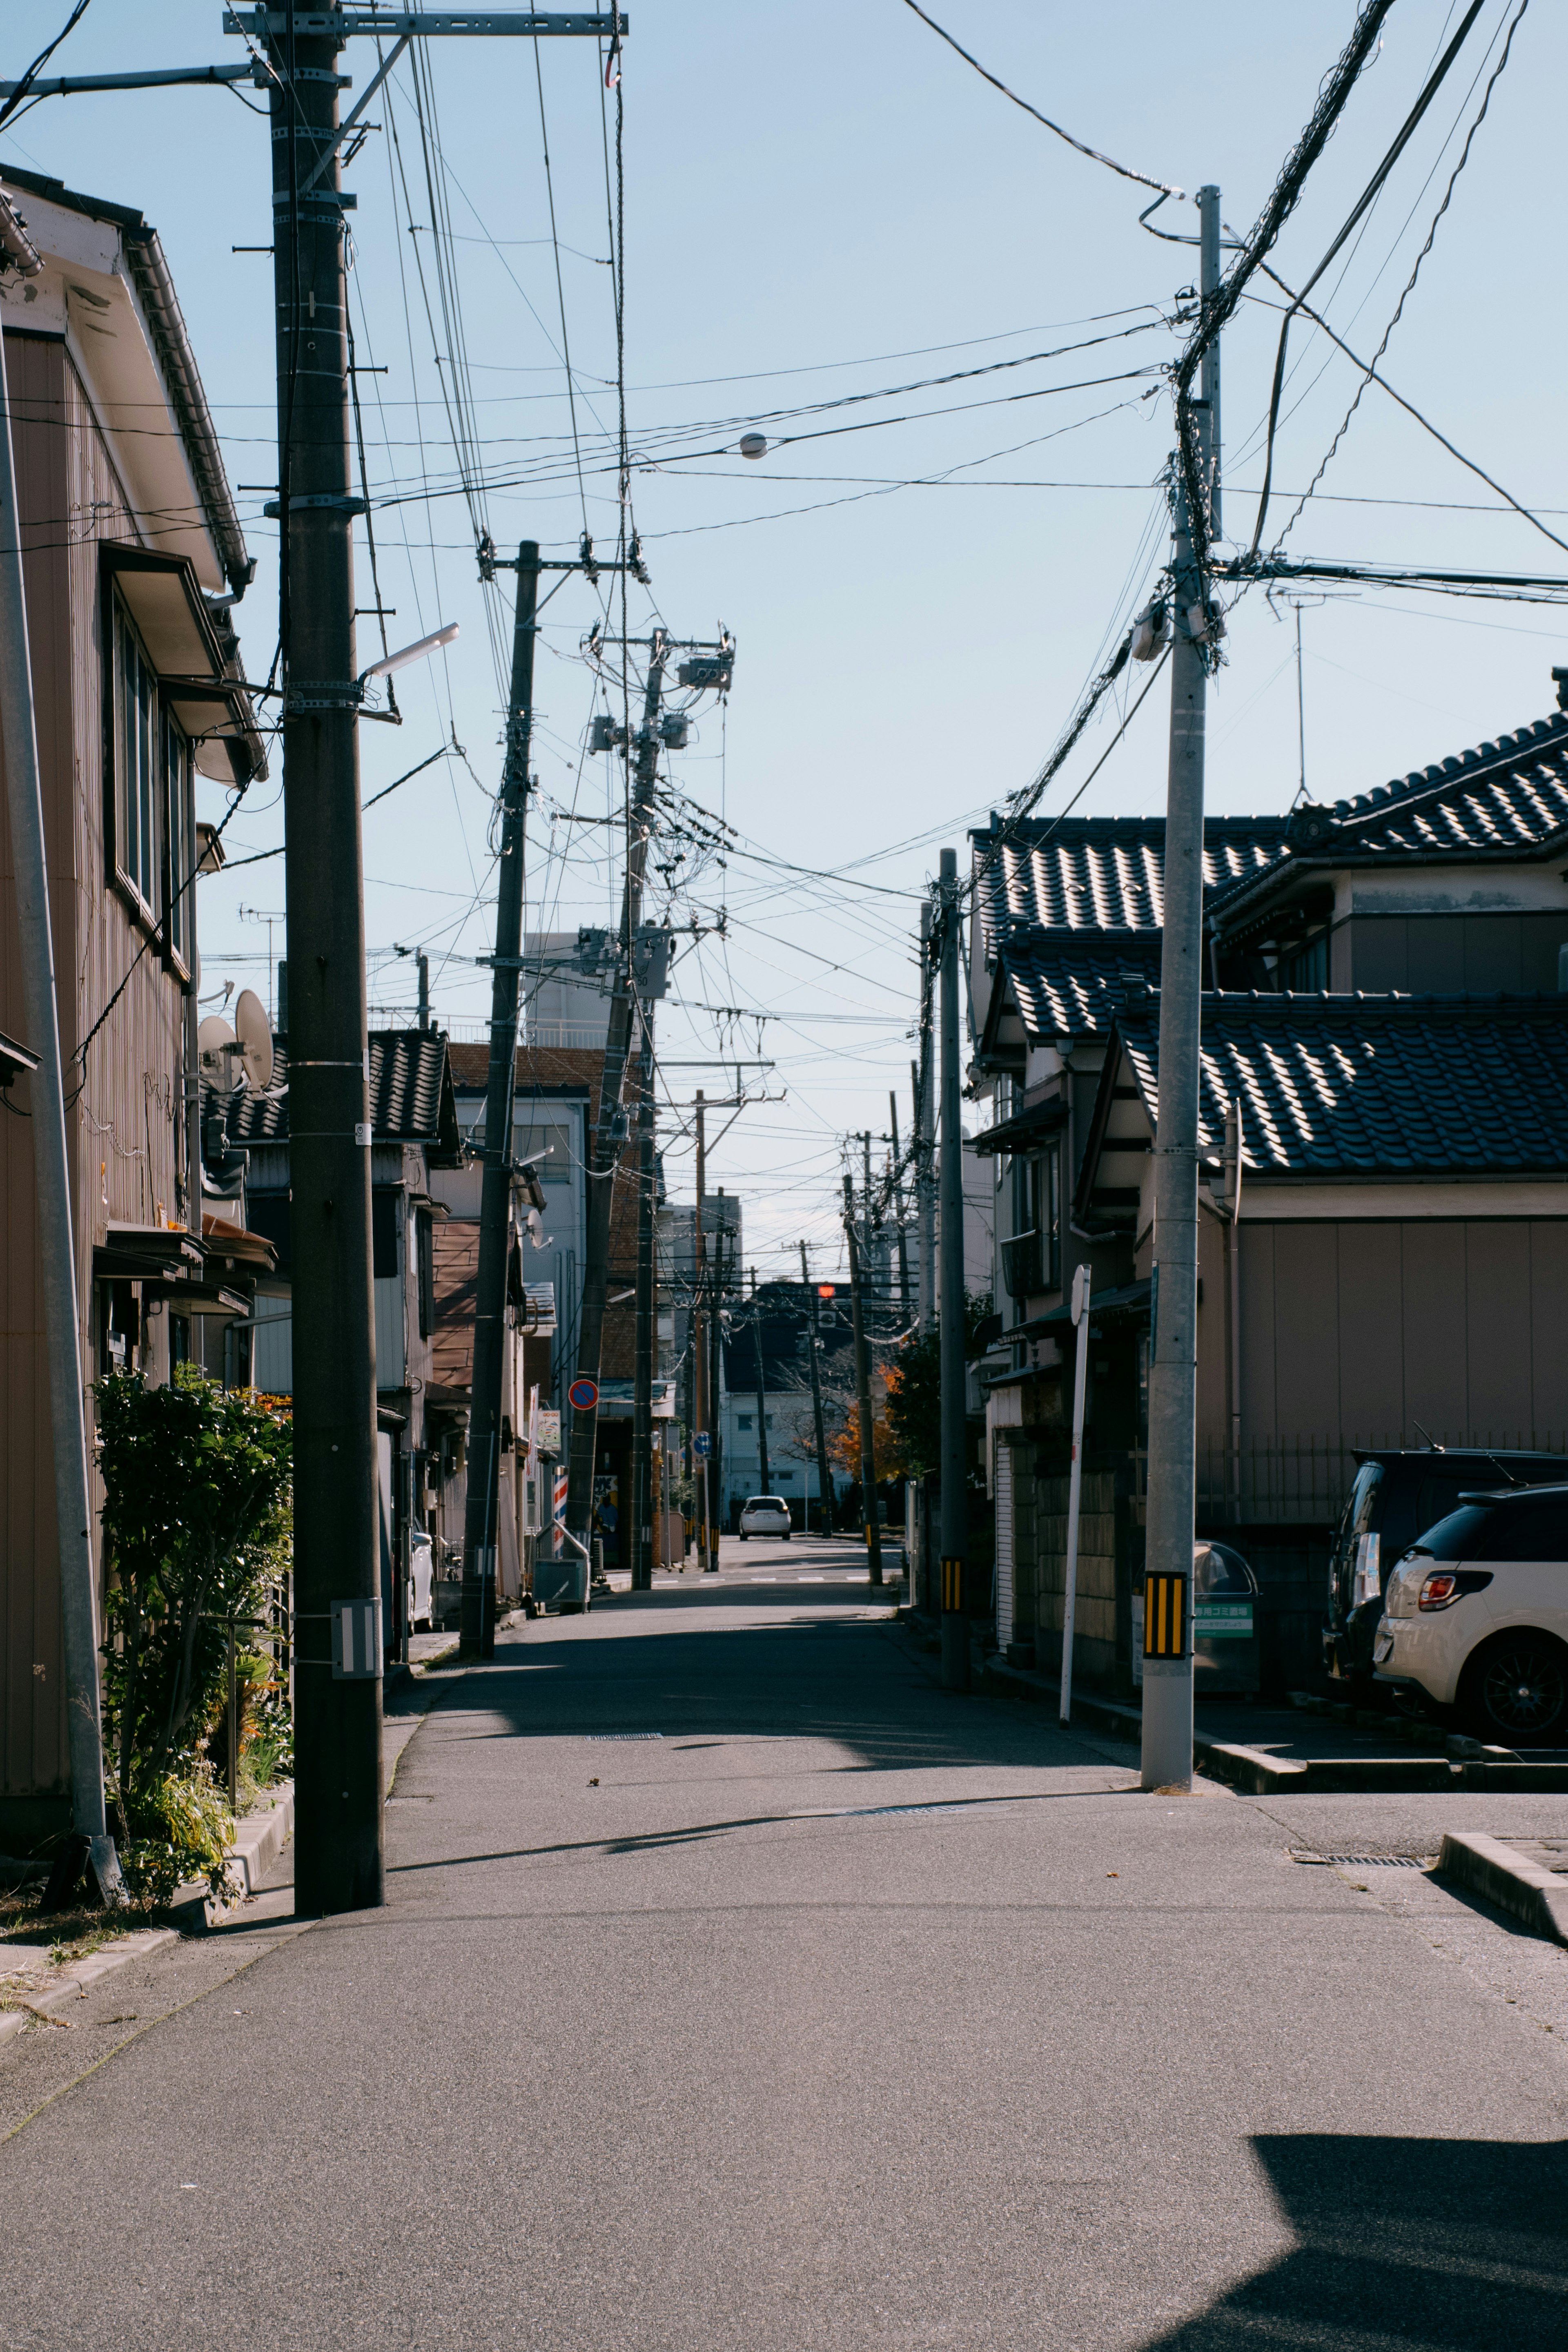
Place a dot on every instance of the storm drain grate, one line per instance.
(600, 1736)
(1369, 1860)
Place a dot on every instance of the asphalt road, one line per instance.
(739, 1989)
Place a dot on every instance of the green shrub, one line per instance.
(196, 1516)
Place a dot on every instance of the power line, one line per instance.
(1093, 153)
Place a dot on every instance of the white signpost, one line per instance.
(1075, 1488)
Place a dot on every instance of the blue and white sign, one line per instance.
(701, 1445)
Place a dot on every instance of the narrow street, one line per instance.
(739, 1988)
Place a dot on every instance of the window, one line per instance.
(138, 762)
(154, 814)
(424, 1245)
(744, 1421)
(182, 886)
(385, 1202)
(1031, 1258)
(1308, 968)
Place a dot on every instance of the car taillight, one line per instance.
(1439, 1591)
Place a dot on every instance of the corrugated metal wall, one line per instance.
(122, 1133)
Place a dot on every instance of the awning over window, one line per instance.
(1024, 1130)
(161, 594)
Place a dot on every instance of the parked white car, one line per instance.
(764, 1515)
(1476, 1616)
(421, 1580)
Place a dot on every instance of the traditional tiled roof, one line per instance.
(1069, 983)
(1376, 1086)
(411, 1099)
(1502, 799)
(1104, 873)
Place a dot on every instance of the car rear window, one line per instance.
(768, 1503)
(1459, 1537)
(1505, 1531)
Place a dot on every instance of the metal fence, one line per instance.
(1303, 1481)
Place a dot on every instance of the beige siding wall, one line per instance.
(1363, 1329)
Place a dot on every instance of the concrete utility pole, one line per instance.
(896, 1186)
(609, 1135)
(1173, 1351)
(824, 1473)
(761, 1391)
(724, 1245)
(950, 1319)
(869, 1516)
(922, 1079)
(642, 1368)
(484, 1414)
(51, 1172)
(700, 1415)
(338, 1717)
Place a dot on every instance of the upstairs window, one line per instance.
(139, 838)
(182, 804)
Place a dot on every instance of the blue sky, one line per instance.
(823, 201)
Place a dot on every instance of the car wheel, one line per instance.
(786, 1535)
(743, 1535)
(1516, 1689)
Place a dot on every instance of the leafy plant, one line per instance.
(914, 1387)
(196, 1482)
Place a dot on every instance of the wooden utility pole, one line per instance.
(862, 1390)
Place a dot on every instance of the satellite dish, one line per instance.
(254, 1032)
(219, 1054)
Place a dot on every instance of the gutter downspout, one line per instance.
(51, 1157)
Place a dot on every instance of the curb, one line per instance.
(1253, 1772)
(73, 1985)
(1485, 1867)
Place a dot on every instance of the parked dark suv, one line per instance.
(1394, 1497)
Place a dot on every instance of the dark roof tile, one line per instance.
(1378, 1086)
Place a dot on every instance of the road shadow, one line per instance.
(843, 1679)
(1452, 2244)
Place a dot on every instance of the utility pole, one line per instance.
(699, 1343)
(642, 1368)
(715, 1376)
(924, 1082)
(863, 1392)
(824, 1475)
(950, 1319)
(484, 1415)
(761, 1391)
(1173, 1347)
(896, 1185)
(605, 1146)
(713, 668)
(338, 1718)
(51, 1168)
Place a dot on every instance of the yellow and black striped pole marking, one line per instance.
(1164, 1616)
(952, 1586)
